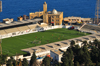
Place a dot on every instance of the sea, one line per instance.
(79, 8)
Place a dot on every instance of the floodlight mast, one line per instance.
(97, 11)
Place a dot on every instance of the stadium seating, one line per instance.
(23, 28)
(90, 28)
(2, 32)
(32, 26)
(43, 25)
(11, 30)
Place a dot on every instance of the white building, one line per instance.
(7, 20)
(56, 55)
(76, 19)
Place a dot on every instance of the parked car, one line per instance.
(71, 28)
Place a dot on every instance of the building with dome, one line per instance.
(53, 17)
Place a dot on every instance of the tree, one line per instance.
(56, 65)
(69, 53)
(59, 64)
(85, 43)
(20, 63)
(76, 64)
(76, 49)
(16, 63)
(65, 61)
(98, 64)
(67, 58)
(46, 61)
(72, 43)
(96, 42)
(90, 43)
(99, 45)
(94, 54)
(25, 62)
(89, 64)
(3, 59)
(85, 49)
(33, 59)
(71, 63)
(80, 52)
(9, 62)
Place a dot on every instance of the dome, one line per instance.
(54, 11)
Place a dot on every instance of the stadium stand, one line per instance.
(32, 26)
(16, 28)
(23, 28)
(2, 32)
(43, 25)
(90, 28)
(11, 30)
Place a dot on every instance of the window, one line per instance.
(57, 20)
(52, 16)
(77, 19)
(57, 23)
(57, 16)
(31, 17)
(74, 20)
(52, 19)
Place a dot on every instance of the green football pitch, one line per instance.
(13, 45)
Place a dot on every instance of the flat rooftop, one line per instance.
(58, 52)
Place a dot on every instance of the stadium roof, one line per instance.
(11, 30)
(2, 32)
(2, 25)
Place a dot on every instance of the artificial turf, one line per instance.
(13, 45)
